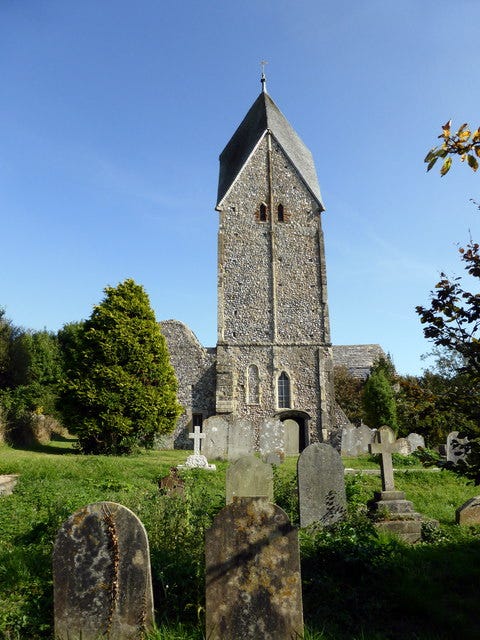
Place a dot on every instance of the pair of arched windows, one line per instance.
(253, 388)
(263, 215)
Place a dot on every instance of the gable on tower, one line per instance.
(263, 116)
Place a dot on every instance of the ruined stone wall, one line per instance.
(195, 370)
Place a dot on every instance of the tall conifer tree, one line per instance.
(121, 389)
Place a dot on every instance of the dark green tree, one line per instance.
(348, 394)
(120, 388)
(379, 400)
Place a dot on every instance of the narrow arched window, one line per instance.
(253, 385)
(263, 212)
(280, 215)
(283, 391)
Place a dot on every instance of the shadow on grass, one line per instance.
(426, 592)
(65, 446)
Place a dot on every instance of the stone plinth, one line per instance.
(399, 516)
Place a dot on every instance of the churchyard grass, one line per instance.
(356, 583)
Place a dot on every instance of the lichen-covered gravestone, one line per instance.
(272, 441)
(241, 439)
(101, 575)
(321, 485)
(455, 449)
(253, 585)
(249, 477)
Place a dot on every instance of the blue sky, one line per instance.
(113, 114)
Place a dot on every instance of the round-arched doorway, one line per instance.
(295, 431)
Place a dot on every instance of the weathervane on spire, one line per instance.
(263, 79)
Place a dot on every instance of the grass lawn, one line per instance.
(355, 583)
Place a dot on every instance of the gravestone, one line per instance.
(241, 439)
(253, 585)
(249, 477)
(101, 575)
(416, 441)
(469, 512)
(8, 483)
(291, 437)
(363, 439)
(321, 485)
(215, 444)
(455, 450)
(348, 446)
(399, 518)
(272, 441)
(402, 446)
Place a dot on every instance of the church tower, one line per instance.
(274, 355)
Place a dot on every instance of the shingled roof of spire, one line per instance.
(264, 115)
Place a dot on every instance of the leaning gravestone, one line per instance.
(253, 585)
(101, 575)
(215, 444)
(241, 439)
(272, 441)
(321, 485)
(249, 477)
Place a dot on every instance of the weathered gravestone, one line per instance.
(253, 585)
(398, 514)
(215, 444)
(416, 441)
(101, 575)
(402, 446)
(469, 512)
(249, 477)
(321, 485)
(241, 439)
(272, 441)
(455, 449)
(348, 447)
(363, 439)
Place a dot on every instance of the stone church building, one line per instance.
(274, 357)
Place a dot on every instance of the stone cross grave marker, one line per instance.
(249, 477)
(321, 485)
(197, 436)
(253, 585)
(385, 445)
(102, 584)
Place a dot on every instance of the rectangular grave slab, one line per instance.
(215, 444)
(241, 439)
(253, 585)
(272, 440)
(321, 485)
(101, 575)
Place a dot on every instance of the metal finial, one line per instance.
(263, 79)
